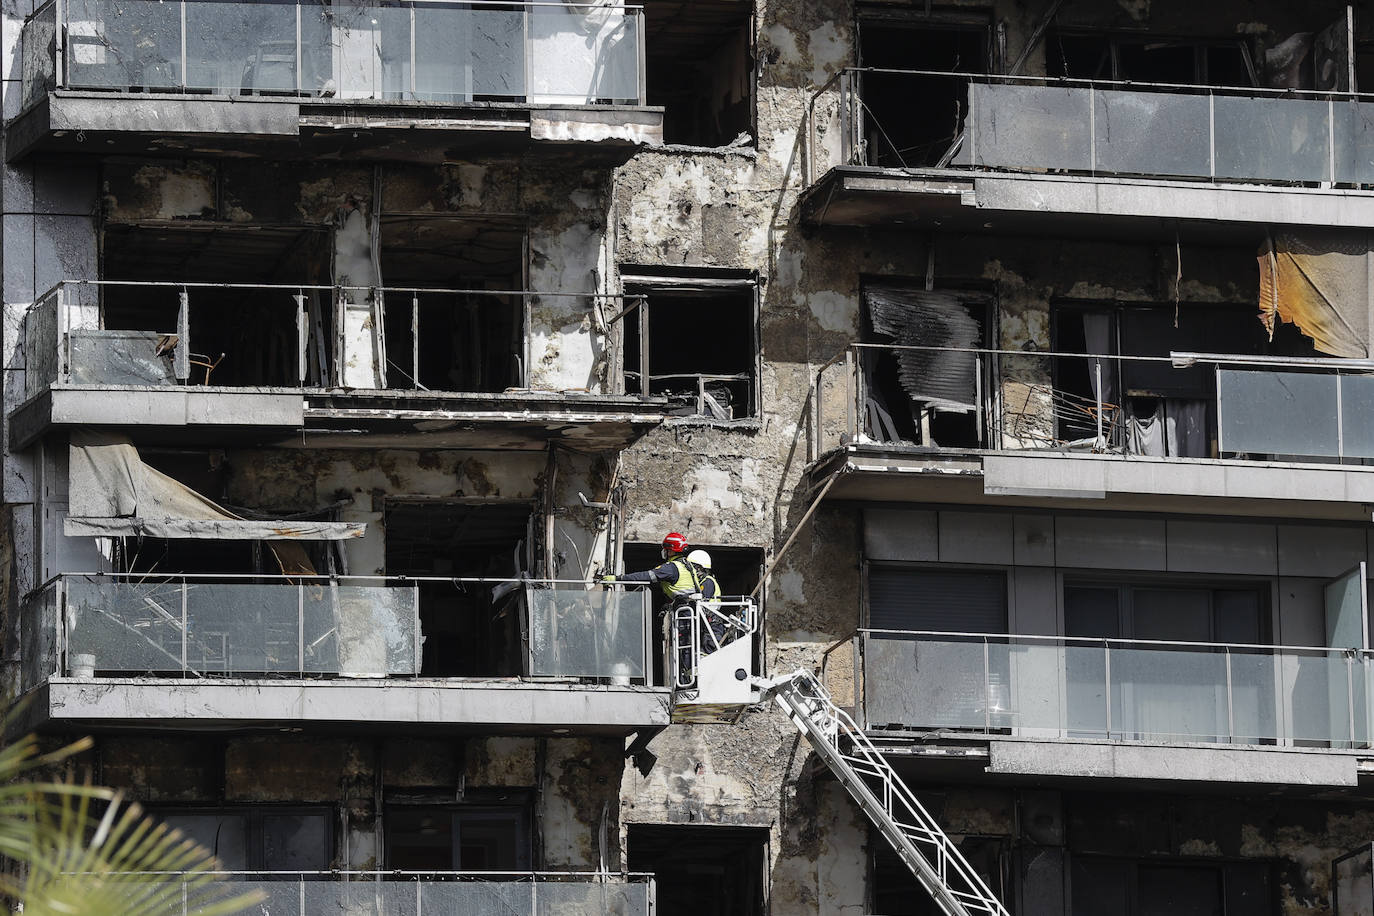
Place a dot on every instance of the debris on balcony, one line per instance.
(113, 493)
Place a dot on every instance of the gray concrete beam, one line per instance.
(1180, 763)
(238, 702)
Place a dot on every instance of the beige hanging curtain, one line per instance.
(1319, 280)
(113, 493)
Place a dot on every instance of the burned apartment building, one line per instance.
(1015, 356)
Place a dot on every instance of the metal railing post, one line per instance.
(978, 396)
(1350, 693)
(415, 340)
(1230, 702)
(300, 65)
(1340, 421)
(184, 600)
(853, 384)
(302, 338)
(59, 40)
(183, 67)
(63, 636)
(987, 688)
(1107, 683)
(846, 120)
(300, 628)
(1097, 396)
(1211, 135)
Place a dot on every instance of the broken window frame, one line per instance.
(640, 286)
(974, 297)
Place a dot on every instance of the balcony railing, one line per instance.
(1115, 689)
(1187, 405)
(313, 337)
(1014, 123)
(408, 893)
(302, 627)
(412, 51)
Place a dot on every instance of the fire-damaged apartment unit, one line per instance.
(1014, 355)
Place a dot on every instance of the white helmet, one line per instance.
(700, 558)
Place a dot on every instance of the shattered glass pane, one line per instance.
(128, 358)
(123, 44)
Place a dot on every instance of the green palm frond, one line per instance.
(88, 852)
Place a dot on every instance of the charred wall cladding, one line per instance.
(363, 803)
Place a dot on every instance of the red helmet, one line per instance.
(674, 543)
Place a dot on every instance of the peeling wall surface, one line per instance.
(529, 242)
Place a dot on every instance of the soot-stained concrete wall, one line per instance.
(737, 209)
(574, 783)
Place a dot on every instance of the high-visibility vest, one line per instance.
(688, 581)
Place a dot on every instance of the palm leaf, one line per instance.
(88, 852)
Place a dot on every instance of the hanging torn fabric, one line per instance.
(113, 493)
(1319, 280)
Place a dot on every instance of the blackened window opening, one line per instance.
(239, 336)
(469, 629)
(1149, 59)
(1152, 407)
(457, 838)
(700, 353)
(471, 341)
(700, 69)
(912, 121)
(931, 387)
(896, 891)
(702, 871)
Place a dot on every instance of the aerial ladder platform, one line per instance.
(712, 655)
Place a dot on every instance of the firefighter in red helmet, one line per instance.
(677, 577)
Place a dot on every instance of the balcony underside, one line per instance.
(488, 707)
(1072, 205)
(352, 418)
(915, 474)
(109, 123)
(1184, 767)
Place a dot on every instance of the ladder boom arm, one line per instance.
(925, 848)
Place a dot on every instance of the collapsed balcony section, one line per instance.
(288, 78)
